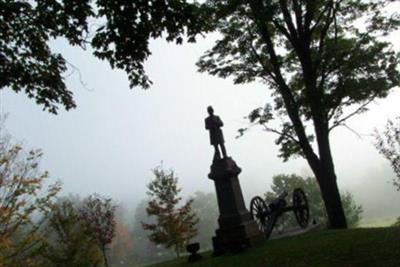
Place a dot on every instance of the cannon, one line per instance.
(266, 216)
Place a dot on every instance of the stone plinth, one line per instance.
(237, 230)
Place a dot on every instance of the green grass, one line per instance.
(356, 247)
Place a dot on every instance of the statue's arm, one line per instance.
(206, 125)
(220, 123)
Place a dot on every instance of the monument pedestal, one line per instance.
(237, 231)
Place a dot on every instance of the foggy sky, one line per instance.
(115, 136)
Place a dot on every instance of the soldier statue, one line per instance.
(214, 124)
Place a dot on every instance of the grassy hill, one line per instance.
(352, 248)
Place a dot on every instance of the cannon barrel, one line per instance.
(279, 201)
(282, 195)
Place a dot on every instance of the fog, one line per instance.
(115, 136)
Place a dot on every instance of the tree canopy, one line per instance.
(27, 63)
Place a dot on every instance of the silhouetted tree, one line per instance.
(388, 144)
(175, 225)
(318, 62)
(120, 34)
(288, 183)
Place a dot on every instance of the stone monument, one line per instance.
(237, 231)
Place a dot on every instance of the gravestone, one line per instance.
(237, 230)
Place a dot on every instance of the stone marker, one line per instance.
(237, 231)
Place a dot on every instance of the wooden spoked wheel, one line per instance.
(258, 210)
(300, 207)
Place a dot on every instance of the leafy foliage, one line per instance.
(98, 214)
(26, 27)
(25, 204)
(314, 57)
(175, 226)
(288, 183)
(26, 61)
(388, 144)
(69, 242)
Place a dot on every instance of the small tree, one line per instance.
(98, 214)
(288, 183)
(175, 226)
(24, 204)
(69, 243)
(388, 144)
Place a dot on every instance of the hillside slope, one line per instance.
(354, 247)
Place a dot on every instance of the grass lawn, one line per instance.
(354, 247)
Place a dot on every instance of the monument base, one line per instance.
(237, 230)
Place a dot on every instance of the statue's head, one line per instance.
(210, 110)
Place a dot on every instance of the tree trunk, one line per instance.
(177, 250)
(105, 256)
(331, 196)
(326, 178)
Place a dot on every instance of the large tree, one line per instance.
(321, 66)
(322, 60)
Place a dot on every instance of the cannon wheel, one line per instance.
(258, 211)
(300, 207)
(261, 214)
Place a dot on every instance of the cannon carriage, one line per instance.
(266, 215)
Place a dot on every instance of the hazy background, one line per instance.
(115, 136)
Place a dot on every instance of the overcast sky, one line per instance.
(115, 136)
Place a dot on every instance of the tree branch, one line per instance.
(357, 111)
(291, 105)
(253, 49)
(299, 16)
(288, 18)
(291, 137)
